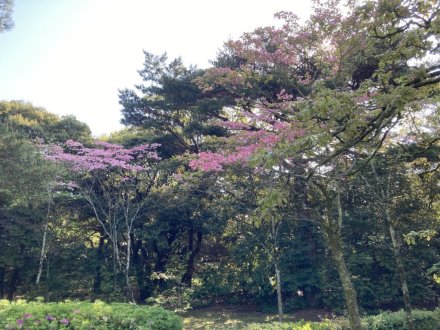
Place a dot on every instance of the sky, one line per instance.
(72, 56)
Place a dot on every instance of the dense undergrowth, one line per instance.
(218, 320)
(85, 315)
(424, 320)
(21, 314)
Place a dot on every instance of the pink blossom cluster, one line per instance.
(208, 161)
(293, 48)
(214, 161)
(104, 156)
(266, 46)
(246, 144)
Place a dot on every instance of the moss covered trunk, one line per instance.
(402, 275)
(335, 243)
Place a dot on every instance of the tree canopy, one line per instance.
(300, 170)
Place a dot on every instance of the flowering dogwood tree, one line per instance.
(317, 100)
(114, 181)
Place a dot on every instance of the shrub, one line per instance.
(178, 299)
(85, 315)
(423, 320)
(301, 325)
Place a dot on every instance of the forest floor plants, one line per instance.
(21, 314)
(247, 317)
(243, 317)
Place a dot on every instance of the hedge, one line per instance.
(85, 315)
(423, 320)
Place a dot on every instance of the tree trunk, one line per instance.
(385, 201)
(42, 253)
(115, 266)
(402, 275)
(333, 229)
(335, 244)
(163, 256)
(279, 295)
(43, 244)
(115, 251)
(276, 257)
(12, 287)
(112, 233)
(127, 268)
(97, 280)
(142, 270)
(2, 285)
(46, 293)
(187, 277)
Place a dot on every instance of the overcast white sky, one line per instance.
(72, 56)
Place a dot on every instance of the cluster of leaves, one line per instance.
(84, 315)
(37, 123)
(423, 320)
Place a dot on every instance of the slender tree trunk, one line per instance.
(115, 265)
(43, 244)
(98, 276)
(2, 281)
(402, 275)
(127, 268)
(385, 200)
(46, 293)
(42, 253)
(115, 250)
(279, 294)
(12, 287)
(187, 277)
(333, 228)
(142, 269)
(276, 258)
(163, 255)
(350, 295)
(312, 251)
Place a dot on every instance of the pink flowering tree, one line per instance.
(114, 181)
(318, 100)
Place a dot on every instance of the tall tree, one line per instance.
(36, 123)
(110, 179)
(25, 179)
(171, 105)
(352, 76)
(170, 109)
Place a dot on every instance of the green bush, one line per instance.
(177, 299)
(423, 320)
(300, 325)
(85, 315)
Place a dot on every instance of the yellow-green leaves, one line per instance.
(411, 237)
